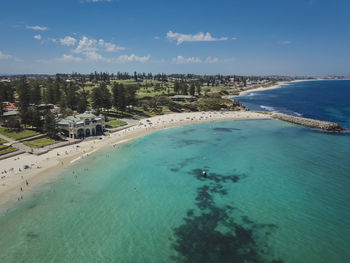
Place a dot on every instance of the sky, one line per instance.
(243, 37)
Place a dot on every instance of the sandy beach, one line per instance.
(16, 183)
(277, 86)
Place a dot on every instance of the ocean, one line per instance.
(274, 192)
(327, 100)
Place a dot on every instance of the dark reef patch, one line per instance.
(192, 142)
(32, 206)
(222, 129)
(182, 164)
(188, 131)
(31, 235)
(217, 178)
(211, 233)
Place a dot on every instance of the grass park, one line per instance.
(17, 135)
(37, 143)
(115, 123)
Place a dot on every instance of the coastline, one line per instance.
(47, 167)
(280, 84)
(277, 86)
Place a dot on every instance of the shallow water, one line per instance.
(274, 191)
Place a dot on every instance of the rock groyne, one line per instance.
(317, 124)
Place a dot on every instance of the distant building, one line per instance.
(9, 106)
(82, 125)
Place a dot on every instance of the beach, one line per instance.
(17, 183)
(278, 85)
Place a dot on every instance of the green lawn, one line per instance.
(40, 142)
(2, 146)
(17, 135)
(2, 141)
(114, 123)
(8, 150)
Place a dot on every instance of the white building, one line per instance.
(82, 125)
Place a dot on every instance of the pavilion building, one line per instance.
(82, 125)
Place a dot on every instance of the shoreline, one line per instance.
(47, 167)
(280, 84)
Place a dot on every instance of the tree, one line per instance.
(184, 88)
(106, 96)
(35, 93)
(198, 88)
(121, 101)
(192, 89)
(23, 92)
(50, 125)
(82, 101)
(6, 92)
(34, 118)
(123, 96)
(72, 96)
(56, 90)
(176, 87)
(115, 94)
(13, 124)
(131, 95)
(101, 97)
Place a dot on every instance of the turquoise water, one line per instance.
(274, 193)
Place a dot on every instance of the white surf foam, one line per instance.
(268, 108)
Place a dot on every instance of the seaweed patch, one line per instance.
(210, 233)
(221, 129)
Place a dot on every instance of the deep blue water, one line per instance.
(324, 100)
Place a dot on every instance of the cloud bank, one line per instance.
(39, 28)
(199, 37)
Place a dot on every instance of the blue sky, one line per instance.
(250, 37)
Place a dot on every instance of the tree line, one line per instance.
(69, 96)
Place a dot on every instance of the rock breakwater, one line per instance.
(312, 123)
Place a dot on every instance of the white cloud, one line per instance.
(285, 42)
(4, 56)
(92, 45)
(132, 58)
(92, 55)
(69, 58)
(68, 41)
(95, 57)
(109, 47)
(40, 28)
(156, 37)
(211, 60)
(234, 38)
(199, 37)
(86, 45)
(183, 60)
(38, 37)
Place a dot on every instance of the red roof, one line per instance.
(9, 106)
